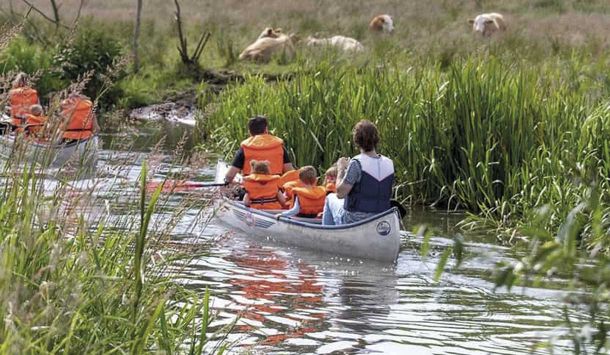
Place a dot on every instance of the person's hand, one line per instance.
(342, 163)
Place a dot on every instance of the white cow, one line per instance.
(264, 48)
(347, 44)
(270, 32)
(487, 24)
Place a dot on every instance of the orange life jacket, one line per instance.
(311, 200)
(289, 176)
(264, 147)
(331, 187)
(20, 100)
(288, 190)
(262, 190)
(35, 123)
(80, 119)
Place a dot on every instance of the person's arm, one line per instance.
(230, 175)
(346, 178)
(281, 199)
(96, 126)
(287, 164)
(291, 212)
(236, 166)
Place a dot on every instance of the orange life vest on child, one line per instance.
(331, 187)
(264, 147)
(311, 200)
(289, 176)
(35, 124)
(80, 119)
(262, 190)
(288, 191)
(20, 100)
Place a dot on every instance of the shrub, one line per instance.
(94, 51)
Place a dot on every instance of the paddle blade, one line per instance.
(402, 211)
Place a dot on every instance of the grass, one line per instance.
(76, 279)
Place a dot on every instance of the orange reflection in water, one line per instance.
(276, 283)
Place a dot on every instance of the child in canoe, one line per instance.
(34, 121)
(262, 188)
(330, 179)
(309, 198)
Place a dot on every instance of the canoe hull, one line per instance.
(84, 153)
(376, 238)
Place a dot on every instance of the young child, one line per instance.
(289, 186)
(262, 188)
(309, 198)
(34, 121)
(330, 180)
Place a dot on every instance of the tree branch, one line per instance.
(32, 7)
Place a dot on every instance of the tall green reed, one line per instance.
(75, 279)
(486, 135)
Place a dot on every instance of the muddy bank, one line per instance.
(182, 108)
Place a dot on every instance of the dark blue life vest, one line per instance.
(373, 192)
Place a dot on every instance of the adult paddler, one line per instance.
(260, 146)
(79, 119)
(21, 97)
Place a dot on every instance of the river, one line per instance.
(282, 299)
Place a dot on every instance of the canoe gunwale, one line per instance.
(289, 220)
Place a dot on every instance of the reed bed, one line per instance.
(78, 278)
(497, 138)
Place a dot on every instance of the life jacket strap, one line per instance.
(263, 200)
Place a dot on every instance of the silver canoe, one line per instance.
(377, 237)
(82, 154)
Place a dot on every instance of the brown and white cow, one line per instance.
(488, 24)
(382, 24)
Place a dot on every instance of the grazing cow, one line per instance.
(264, 48)
(382, 24)
(270, 32)
(344, 43)
(487, 24)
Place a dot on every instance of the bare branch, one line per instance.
(32, 7)
(136, 36)
(80, 7)
(55, 12)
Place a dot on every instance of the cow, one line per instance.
(344, 43)
(270, 32)
(382, 24)
(264, 48)
(488, 24)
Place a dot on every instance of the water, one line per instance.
(280, 299)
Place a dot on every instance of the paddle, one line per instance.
(402, 211)
(176, 185)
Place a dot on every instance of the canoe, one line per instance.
(376, 238)
(84, 153)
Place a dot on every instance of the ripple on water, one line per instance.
(286, 300)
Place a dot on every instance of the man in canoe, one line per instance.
(79, 121)
(260, 146)
(364, 185)
(21, 97)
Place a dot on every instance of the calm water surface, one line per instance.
(287, 300)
